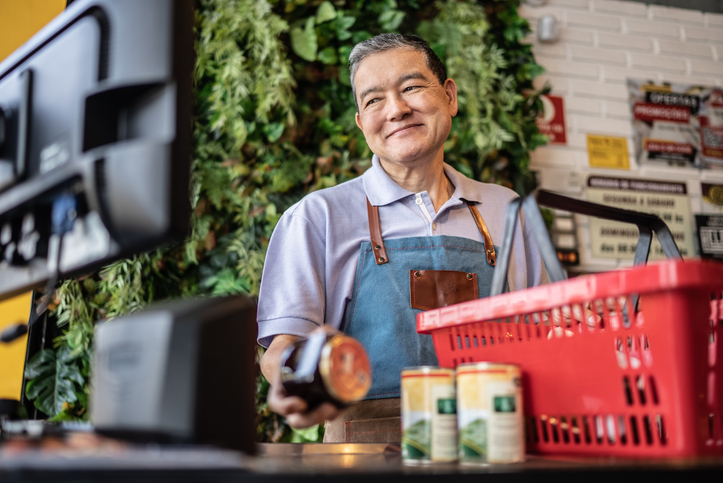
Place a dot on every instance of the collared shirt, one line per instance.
(310, 265)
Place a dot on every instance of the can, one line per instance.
(489, 413)
(429, 415)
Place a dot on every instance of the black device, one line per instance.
(95, 155)
(178, 372)
(95, 136)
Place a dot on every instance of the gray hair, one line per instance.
(386, 42)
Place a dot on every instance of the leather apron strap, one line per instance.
(375, 234)
(489, 246)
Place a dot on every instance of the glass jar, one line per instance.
(328, 366)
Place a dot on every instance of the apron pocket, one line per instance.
(432, 289)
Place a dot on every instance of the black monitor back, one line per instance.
(95, 138)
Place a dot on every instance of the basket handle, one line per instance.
(646, 223)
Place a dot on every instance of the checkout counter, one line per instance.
(84, 457)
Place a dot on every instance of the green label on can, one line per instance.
(447, 406)
(415, 440)
(473, 439)
(504, 404)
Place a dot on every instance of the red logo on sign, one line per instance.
(551, 123)
(657, 112)
(656, 146)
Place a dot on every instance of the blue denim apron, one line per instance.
(380, 314)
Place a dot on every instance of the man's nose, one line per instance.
(398, 109)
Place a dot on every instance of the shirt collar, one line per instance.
(464, 188)
(382, 190)
(379, 187)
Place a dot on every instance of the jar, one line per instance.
(328, 366)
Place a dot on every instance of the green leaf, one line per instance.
(308, 435)
(325, 12)
(391, 20)
(342, 25)
(274, 131)
(41, 363)
(304, 42)
(328, 56)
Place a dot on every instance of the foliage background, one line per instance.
(274, 119)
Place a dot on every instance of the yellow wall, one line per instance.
(12, 356)
(19, 20)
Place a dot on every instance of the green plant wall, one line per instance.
(274, 120)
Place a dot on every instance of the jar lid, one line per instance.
(345, 369)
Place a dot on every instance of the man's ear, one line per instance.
(450, 88)
(358, 121)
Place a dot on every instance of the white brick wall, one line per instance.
(602, 43)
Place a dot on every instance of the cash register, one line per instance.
(95, 156)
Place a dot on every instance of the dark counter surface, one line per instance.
(321, 463)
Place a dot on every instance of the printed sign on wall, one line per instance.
(668, 200)
(551, 122)
(676, 124)
(608, 152)
(710, 236)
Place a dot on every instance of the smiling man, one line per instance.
(368, 255)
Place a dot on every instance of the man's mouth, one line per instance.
(402, 129)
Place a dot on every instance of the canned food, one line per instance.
(429, 415)
(326, 367)
(489, 412)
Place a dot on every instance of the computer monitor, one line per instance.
(95, 136)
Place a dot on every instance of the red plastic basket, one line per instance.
(641, 383)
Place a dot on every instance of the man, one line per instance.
(353, 256)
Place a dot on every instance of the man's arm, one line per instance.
(292, 407)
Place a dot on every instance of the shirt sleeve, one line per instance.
(292, 293)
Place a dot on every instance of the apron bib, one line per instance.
(396, 279)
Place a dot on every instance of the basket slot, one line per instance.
(628, 391)
(634, 430)
(647, 431)
(575, 429)
(564, 429)
(599, 429)
(660, 423)
(640, 386)
(610, 427)
(543, 429)
(532, 435)
(586, 430)
(653, 390)
(622, 432)
(553, 429)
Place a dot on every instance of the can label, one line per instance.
(429, 415)
(491, 424)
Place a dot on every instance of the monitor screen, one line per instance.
(95, 135)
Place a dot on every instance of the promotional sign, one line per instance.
(676, 124)
(551, 122)
(608, 152)
(710, 236)
(668, 200)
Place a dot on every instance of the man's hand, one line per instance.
(293, 408)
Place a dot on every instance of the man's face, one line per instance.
(404, 112)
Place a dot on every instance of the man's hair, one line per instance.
(386, 42)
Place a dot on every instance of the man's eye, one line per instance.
(410, 88)
(371, 101)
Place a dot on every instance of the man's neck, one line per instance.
(427, 177)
